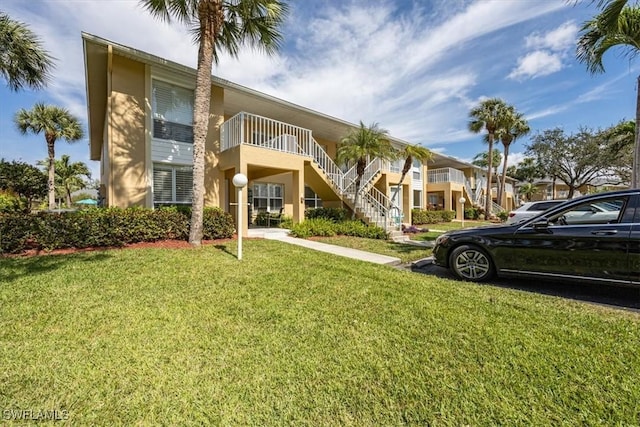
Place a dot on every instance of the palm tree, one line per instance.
(482, 160)
(488, 115)
(514, 126)
(597, 37)
(69, 176)
(23, 61)
(56, 123)
(409, 153)
(360, 145)
(217, 25)
(528, 190)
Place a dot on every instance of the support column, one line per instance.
(297, 188)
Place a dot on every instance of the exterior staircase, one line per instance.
(371, 205)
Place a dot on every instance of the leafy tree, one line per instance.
(488, 116)
(526, 171)
(576, 160)
(513, 127)
(69, 176)
(620, 141)
(360, 145)
(617, 25)
(482, 160)
(409, 153)
(217, 26)
(23, 61)
(23, 179)
(56, 123)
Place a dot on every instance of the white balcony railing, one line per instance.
(441, 175)
(251, 129)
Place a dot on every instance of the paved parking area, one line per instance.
(626, 298)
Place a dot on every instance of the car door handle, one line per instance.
(604, 232)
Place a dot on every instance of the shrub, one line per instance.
(335, 214)
(314, 227)
(327, 228)
(218, 224)
(105, 227)
(503, 215)
(471, 213)
(419, 216)
(9, 203)
(360, 229)
(15, 232)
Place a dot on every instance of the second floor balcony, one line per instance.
(442, 175)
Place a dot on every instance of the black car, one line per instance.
(594, 238)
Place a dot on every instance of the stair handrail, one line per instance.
(370, 171)
(320, 157)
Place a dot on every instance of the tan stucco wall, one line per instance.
(127, 179)
(214, 192)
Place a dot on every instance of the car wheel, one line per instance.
(471, 263)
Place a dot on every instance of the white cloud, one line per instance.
(413, 70)
(549, 50)
(562, 38)
(536, 64)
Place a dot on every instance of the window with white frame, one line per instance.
(172, 112)
(268, 197)
(172, 184)
(311, 199)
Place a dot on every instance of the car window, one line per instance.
(605, 211)
(543, 206)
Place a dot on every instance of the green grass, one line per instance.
(406, 253)
(293, 336)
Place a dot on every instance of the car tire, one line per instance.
(470, 263)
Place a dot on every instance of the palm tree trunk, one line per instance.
(405, 170)
(635, 171)
(68, 191)
(52, 171)
(503, 180)
(201, 106)
(360, 167)
(488, 199)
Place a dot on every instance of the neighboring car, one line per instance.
(593, 238)
(531, 209)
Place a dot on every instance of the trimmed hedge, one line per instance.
(105, 227)
(420, 216)
(334, 214)
(324, 227)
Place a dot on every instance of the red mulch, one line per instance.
(161, 244)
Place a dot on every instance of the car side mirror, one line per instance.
(541, 224)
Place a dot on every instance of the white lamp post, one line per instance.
(462, 201)
(240, 181)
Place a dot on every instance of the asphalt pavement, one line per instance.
(627, 298)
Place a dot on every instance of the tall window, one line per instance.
(268, 197)
(311, 199)
(417, 199)
(172, 184)
(172, 112)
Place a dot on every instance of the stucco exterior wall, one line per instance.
(127, 178)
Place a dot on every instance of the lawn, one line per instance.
(292, 336)
(406, 252)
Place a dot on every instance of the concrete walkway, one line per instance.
(282, 235)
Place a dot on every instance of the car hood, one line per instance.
(486, 229)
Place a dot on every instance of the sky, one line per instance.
(414, 67)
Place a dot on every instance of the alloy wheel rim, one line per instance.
(472, 264)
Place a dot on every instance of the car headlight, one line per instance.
(442, 239)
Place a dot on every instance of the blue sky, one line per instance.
(415, 67)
